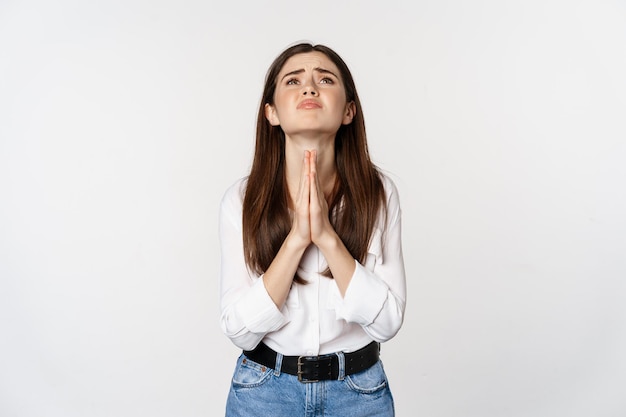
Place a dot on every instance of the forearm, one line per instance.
(279, 276)
(381, 316)
(340, 261)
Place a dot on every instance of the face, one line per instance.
(310, 97)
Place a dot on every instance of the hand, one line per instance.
(320, 225)
(301, 228)
(310, 223)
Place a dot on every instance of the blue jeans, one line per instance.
(258, 391)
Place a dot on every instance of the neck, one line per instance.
(294, 158)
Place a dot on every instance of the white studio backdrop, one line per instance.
(503, 124)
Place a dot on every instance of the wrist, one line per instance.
(329, 242)
(295, 244)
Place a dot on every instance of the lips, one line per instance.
(309, 104)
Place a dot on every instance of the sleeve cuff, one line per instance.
(258, 311)
(364, 298)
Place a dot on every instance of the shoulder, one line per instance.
(391, 191)
(232, 199)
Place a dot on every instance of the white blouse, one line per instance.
(315, 318)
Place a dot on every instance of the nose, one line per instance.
(309, 88)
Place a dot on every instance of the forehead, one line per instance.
(309, 61)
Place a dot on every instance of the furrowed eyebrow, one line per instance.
(301, 70)
(296, 72)
(325, 71)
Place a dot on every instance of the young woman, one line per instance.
(312, 275)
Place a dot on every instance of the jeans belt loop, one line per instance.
(342, 366)
(279, 364)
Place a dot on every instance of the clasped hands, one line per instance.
(311, 223)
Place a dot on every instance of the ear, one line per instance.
(270, 115)
(349, 113)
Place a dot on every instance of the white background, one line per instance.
(503, 124)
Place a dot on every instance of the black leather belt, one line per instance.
(317, 368)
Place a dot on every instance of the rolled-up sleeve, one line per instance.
(247, 311)
(376, 296)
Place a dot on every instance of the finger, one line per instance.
(305, 176)
(317, 206)
(301, 223)
(314, 190)
(305, 209)
(313, 158)
(315, 185)
(319, 194)
(304, 173)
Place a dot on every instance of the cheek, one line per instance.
(282, 100)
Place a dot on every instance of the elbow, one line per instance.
(246, 342)
(385, 328)
(240, 336)
(382, 335)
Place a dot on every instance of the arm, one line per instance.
(371, 295)
(248, 312)
(376, 294)
(253, 306)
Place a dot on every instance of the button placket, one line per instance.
(313, 304)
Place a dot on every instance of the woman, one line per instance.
(312, 277)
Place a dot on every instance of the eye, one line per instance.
(327, 80)
(292, 81)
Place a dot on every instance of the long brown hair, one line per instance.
(359, 194)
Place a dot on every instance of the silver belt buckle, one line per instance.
(300, 372)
